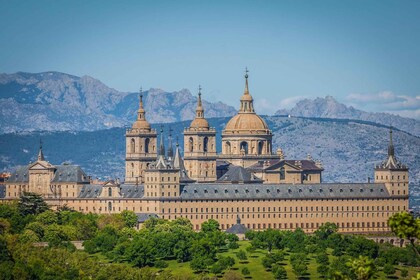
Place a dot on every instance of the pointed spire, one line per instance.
(170, 148)
(40, 153)
(162, 144)
(247, 103)
(141, 122)
(390, 145)
(246, 91)
(199, 112)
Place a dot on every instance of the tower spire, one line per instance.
(391, 152)
(199, 112)
(247, 102)
(246, 91)
(141, 122)
(162, 144)
(170, 148)
(40, 153)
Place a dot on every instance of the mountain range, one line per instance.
(54, 101)
(328, 107)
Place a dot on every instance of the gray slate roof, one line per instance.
(62, 173)
(142, 217)
(283, 191)
(126, 191)
(69, 173)
(238, 174)
(2, 191)
(237, 229)
(20, 176)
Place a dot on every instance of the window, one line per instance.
(282, 173)
(227, 147)
(109, 191)
(109, 206)
(205, 144)
(191, 144)
(146, 145)
(260, 147)
(133, 146)
(244, 147)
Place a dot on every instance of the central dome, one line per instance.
(246, 122)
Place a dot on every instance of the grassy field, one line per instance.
(257, 271)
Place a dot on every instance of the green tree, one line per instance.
(363, 267)
(4, 226)
(141, 253)
(404, 273)
(245, 271)
(241, 255)
(404, 225)
(389, 269)
(210, 226)
(32, 204)
(129, 217)
(47, 218)
(279, 272)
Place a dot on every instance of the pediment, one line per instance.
(109, 184)
(38, 166)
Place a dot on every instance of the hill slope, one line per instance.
(328, 107)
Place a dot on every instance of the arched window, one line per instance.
(109, 206)
(133, 146)
(146, 145)
(191, 144)
(260, 147)
(205, 144)
(228, 148)
(109, 191)
(244, 147)
(282, 174)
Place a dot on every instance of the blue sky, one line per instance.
(364, 53)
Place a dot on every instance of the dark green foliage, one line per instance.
(279, 272)
(389, 269)
(404, 272)
(32, 204)
(245, 271)
(141, 253)
(359, 245)
(130, 218)
(210, 226)
(161, 264)
(241, 255)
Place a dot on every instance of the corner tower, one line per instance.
(141, 142)
(200, 147)
(392, 172)
(246, 138)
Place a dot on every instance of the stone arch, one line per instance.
(132, 145)
(260, 147)
(228, 147)
(146, 145)
(244, 146)
(205, 144)
(191, 145)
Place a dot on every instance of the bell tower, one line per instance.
(141, 150)
(200, 147)
(392, 172)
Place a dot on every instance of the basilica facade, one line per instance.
(245, 183)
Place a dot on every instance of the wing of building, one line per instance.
(246, 186)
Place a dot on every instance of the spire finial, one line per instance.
(199, 96)
(162, 145)
(40, 153)
(390, 145)
(141, 97)
(170, 148)
(246, 81)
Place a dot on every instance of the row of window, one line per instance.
(286, 209)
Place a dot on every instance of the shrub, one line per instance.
(245, 271)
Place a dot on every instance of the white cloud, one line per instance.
(387, 101)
